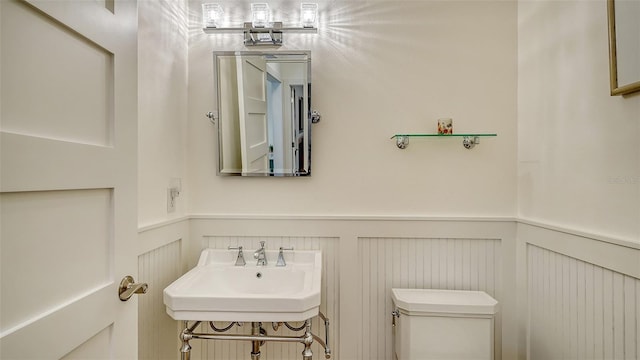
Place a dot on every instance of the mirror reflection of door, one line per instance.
(263, 102)
(252, 91)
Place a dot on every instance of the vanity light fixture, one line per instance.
(309, 15)
(212, 15)
(260, 15)
(260, 31)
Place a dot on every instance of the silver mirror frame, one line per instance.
(219, 121)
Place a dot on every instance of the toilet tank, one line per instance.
(443, 324)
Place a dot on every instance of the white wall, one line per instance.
(162, 107)
(379, 68)
(578, 188)
(162, 151)
(579, 159)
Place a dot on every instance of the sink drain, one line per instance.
(259, 275)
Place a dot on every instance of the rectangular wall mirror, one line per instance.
(624, 46)
(264, 125)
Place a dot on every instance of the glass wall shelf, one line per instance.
(468, 140)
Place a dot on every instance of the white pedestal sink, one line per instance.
(217, 290)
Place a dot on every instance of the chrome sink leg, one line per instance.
(307, 340)
(185, 336)
(327, 349)
(255, 349)
(185, 351)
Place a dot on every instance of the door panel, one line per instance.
(96, 348)
(41, 71)
(55, 333)
(68, 146)
(27, 165)
(81, 220)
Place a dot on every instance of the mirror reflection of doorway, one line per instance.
(297, 126)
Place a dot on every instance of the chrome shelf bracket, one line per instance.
(402, 142)
(469, 142)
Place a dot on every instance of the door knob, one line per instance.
(128, 287)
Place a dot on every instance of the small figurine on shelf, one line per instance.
(445, 126)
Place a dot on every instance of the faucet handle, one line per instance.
(281, 261)
(262, 244)
(240, 259)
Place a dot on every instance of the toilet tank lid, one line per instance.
(444, 301)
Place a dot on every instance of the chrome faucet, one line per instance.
(240, 259)
(260, 255)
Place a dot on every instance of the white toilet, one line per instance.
(443, 324)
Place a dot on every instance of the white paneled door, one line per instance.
(68, 149)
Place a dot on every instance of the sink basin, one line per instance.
(217, 290)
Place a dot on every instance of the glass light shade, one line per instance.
(308, 14)
(212, 15)
(260, 15)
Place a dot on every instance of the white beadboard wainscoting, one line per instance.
(578, 310)
(461, 253)
(563, 294)
(158, 268)
(160, 262)
(421, 263)
(583, 295)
